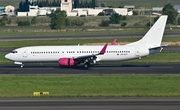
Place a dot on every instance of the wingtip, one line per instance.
(103, 49)
(114, 42)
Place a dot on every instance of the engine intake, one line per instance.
(67, 62)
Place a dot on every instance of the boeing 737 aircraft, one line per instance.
(71, 56)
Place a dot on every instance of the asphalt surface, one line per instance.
(11, 38)
(101, 69)
(91, 104)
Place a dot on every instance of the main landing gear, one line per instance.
(22, 65)
(86, 65)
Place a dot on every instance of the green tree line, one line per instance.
(85, 4)
(46, 3)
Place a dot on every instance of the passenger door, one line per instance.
(137, 53)
(25, 54)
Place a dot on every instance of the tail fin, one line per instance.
(154, 36)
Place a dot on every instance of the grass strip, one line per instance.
(92, 85)
(2, 58)
(163, 57)
(8, 44)
(48, 32)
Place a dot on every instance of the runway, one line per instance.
(90, 104)
(101, 69)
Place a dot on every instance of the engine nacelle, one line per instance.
(67, 62)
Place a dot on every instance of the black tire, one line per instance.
(86, 65)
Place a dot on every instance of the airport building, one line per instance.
(177, 7)
(67, 5)
(38, 11)
(9, 10)
(2, 8)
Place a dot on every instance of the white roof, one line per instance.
(129, 6)
(9, 8)
(157, 8)
(177, 7)
(72, 14)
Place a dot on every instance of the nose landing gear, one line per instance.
(19, 63)
(22, 65)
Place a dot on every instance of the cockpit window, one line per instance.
(14, 51)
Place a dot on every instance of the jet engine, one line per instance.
(67, 62)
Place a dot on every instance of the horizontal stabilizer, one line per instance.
(164, 45)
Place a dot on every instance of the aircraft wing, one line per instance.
(90, 56)
(84, 58)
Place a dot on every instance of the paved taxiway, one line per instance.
(129, 68)
(110, 35)
(91, 104)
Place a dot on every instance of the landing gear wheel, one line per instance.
(86, 65)
(22, 65)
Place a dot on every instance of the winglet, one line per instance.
(103, 49)
(114, 42)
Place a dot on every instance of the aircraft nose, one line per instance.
(8, 56)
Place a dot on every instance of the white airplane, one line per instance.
(71, 56)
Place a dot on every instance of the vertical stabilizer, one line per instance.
(154, 36)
